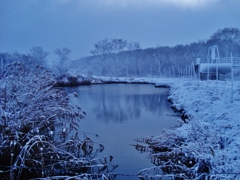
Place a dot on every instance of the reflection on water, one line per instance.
(120, 108)
(118, 103)
(118, 113)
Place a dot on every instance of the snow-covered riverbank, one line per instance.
(211, 135)
(213, 130)
(208, 143)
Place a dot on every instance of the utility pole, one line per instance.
(231, 77)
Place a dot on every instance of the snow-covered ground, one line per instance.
(212, 130)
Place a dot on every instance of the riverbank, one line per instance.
(213, 127)
(208, 142)
(210, 134)
(72, 80)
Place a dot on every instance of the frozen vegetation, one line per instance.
(207, 144)
(39, 129)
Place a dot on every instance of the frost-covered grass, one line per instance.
(213, 127)
(207, 145)
(39, 129)
(73, 80)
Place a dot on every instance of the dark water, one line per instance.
(118, 113)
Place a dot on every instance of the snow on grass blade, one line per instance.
(39, 129)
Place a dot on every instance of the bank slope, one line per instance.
(208, 143)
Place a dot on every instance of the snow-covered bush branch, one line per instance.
(39, 128)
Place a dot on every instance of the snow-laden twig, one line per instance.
(39, 129)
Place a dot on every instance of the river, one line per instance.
(118, 113)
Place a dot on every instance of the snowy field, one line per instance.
(211, 132)
(213, 129)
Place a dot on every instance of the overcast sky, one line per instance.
(78, 24)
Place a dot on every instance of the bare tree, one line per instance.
(227, 39)
(118, 45)
(39, 55)
(133, 46)
(102, 47)
(63, 58)
(108, 45)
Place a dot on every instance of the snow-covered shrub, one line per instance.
(206, 146)
(73, 80)
(39, 129)
(174, 156)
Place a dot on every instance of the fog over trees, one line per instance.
(117, 57)
(61, 66)
(39, 55)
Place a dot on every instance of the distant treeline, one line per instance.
(159, 61)
(118, 57)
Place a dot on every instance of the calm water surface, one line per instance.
(118, 113)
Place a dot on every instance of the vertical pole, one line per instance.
(208, 72)
(173, 72)
(217, 73)
(193, 69)
(186, 71)
(209, 49)
(199, 78)
(232, 78)
(190, 71)
(1, 66)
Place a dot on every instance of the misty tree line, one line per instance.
(118, 57)
(107, 46)
(162, 61)
(39, 56)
